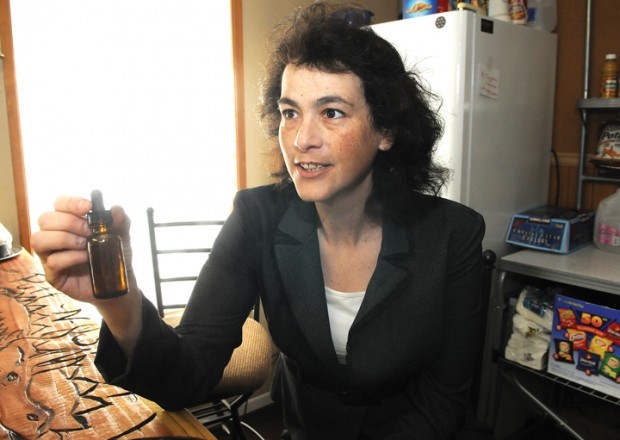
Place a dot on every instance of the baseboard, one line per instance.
(257, 402)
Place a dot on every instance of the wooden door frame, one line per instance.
(236, 12)
(15, 137)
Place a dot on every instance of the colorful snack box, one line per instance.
(578, 338)
(588, 362)
(599, 345)
(566, 318)
(613, 332)
(563, 351)
(585, 344)
(610, 367)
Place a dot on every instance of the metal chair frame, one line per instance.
(156, 252)
(223, 410)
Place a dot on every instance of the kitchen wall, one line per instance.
(259, 17)
(605, 38)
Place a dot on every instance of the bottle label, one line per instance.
(610, 88)
(607, 234)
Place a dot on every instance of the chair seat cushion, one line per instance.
(250, 363)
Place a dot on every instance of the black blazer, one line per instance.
(410, 350)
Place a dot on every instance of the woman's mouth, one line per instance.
(311, 167)
(310, 170)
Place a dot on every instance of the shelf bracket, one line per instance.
(546, 409)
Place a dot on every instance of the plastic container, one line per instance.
(607, 224)
(542, 14)
(518, 11)
(499, 10)
(609, 77)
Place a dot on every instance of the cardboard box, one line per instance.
(551, 229)
(419, 8)
(585, 344)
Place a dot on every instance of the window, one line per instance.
(135, 98)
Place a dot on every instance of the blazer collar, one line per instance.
(299, 262)
(390, 270)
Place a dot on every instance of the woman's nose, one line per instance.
(308, 135)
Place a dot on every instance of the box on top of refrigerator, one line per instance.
(585, 344)
(418, 8)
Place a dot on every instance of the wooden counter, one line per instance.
(49, 385)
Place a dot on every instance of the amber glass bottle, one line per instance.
(105, 251)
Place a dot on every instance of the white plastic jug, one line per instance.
(499, 10)
(607, 224)
(542, 14)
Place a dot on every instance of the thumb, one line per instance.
(121, 224)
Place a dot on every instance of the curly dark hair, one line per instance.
(329, 38)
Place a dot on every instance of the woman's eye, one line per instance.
(288, 113)
(331, 113)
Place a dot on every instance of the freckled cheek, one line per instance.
(344, 144)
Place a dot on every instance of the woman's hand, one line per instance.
(61, 245)
(62, 241)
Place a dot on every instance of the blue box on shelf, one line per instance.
(551, 229)
(585, 344)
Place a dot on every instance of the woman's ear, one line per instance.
(387, 140)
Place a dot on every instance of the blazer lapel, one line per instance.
(390, 270)
(299, 261)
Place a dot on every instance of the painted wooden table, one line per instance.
(49, 385)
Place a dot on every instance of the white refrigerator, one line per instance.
(497, 85)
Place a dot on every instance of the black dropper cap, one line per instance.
(98, 214)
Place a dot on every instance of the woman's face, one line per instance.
(326, 135)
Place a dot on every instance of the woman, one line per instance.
(369, 280)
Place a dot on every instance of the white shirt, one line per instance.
(342, 308)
